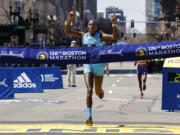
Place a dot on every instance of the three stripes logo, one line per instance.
(23, 81)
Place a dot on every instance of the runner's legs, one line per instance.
(98, 84)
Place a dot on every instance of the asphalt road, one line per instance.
(60, 111)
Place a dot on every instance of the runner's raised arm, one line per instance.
(68, 27)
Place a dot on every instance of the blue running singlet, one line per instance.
(96, 69)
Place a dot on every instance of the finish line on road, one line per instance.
(68, 128)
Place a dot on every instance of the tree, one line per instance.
(139, 38)
(4, 12)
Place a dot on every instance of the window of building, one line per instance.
(18, 3)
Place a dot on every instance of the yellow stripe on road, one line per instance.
(68, 128)
(128, 100)
(117, 99)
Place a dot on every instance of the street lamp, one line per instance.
(51, 21)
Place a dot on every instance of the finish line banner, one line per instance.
(82, 55)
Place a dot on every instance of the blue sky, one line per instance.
(133, 10)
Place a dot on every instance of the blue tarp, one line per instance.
(80, 55)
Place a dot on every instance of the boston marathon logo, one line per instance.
(68, 55)
(23, 81)
(141, 51)
(42, 55)
(164, 50)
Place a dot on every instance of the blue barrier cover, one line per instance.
(26, 80)
(80, 55)
(171, 89)
(6, 91)
(51, 77)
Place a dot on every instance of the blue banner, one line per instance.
(44, 55)
(80, 55)
(26, 80)
(6, 91)
(51, 77)
(131, 52)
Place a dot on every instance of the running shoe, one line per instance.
(73, 85)
(101, 95)
(144, 87)
(89, 122)
(141, 95)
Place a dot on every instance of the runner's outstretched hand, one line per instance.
(71, 15)
(114, 19)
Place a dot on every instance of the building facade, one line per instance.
(45, 19)
(91, 5)
(170, 15)
(100, 15)
(121, 19)
(153, 12)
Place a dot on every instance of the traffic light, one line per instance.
(132, 23)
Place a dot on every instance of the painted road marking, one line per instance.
(135, 75)
(68, 128)
(55, 130)
(33, 130)
(129, 100)
(31, 101)
(112, 130)
(152, 131)
(130, 75)
(90, 130)
(8, 130)
(123, 100)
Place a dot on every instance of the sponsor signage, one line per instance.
(64, 55)
(83, 55)
(173, 62)
(6, 91)
(26, 80)
(51, 77)
(171, 84)
(23, 81)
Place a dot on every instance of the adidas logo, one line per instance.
(23, 81)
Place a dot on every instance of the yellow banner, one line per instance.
(173, 62)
